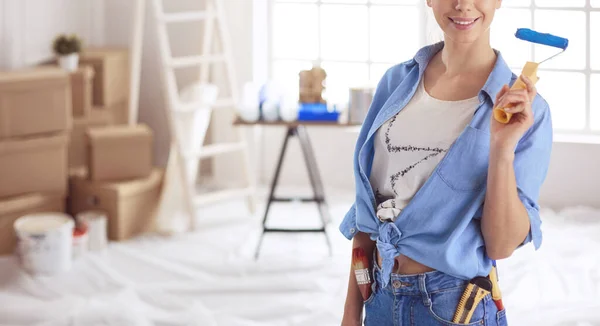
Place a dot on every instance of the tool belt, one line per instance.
(477, 289)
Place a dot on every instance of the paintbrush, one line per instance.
(360, 266)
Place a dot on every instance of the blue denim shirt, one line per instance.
(440, 226)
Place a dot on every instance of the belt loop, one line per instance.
(423, 290)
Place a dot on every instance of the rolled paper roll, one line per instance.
(530, 70)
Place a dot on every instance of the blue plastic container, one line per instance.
(316, 112)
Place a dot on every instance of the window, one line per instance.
(355, 41)
(349, 38)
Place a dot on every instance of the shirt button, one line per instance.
(396, 284)
(352, 230)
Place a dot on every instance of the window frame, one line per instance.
(586, 135)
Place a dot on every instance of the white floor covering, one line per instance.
(211, 278)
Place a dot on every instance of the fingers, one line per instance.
(514, 101)
(502, 92)
(531, 90)
(518, 108)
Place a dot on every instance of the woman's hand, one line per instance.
(517, 102)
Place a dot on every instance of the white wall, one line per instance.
(574, 176)
(28, 27)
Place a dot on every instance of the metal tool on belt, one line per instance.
(476, 290)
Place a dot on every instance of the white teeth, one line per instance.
(463, 22)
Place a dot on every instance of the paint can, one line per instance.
(45, 242)
(80, 242)
(359, 103)
(96, 223)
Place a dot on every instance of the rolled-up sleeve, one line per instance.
(532, 158)
(348, 225)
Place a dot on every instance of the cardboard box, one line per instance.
(78, 144)
(131, 205)
(34, 101)
(111, 74)
(119, 112)
(33, 165)
(14, 207)
(120, 152)
(82, 91)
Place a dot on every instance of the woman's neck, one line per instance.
(460, 58)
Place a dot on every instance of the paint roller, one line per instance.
(530, 68)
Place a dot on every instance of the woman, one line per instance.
(443, 189)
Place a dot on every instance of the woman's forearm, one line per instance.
(505, 221)
(354, 300)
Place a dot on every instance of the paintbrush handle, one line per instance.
(529, 70)
(362, 272)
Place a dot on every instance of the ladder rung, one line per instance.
(215, 196)
(182, 17)
(216, 149)
(182, 62)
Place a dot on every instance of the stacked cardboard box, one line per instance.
(110, 80)
(100, 87)
(35, 121)
(120, 180)
(111, 161)
(65, 145)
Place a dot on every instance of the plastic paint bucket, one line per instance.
(45, 242)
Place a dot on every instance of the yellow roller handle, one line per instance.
(530, 70)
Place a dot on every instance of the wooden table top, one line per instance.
(240, 122)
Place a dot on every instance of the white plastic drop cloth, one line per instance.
(210, 277)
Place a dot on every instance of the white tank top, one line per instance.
(410, 145)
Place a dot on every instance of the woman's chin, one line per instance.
(462, 37)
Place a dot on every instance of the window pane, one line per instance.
(568, 112)
(516, 3)
(595, 40)
(560, 3)
(595, 102)
(377, 71)
(289, 41)
(310, 1)
(285, 73)
(571, 26)
(390, 41)
(344, 1)
(344, 32)
(506, 22)
(341, 76)
(595, 3)
(395, 2)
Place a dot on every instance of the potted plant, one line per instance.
(67, 48)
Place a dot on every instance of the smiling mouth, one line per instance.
(463, 21)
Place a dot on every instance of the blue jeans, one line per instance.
(422, 300)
